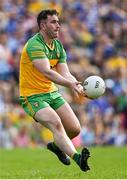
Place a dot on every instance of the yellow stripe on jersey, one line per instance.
(38, 53)
(29, 106)
(34, 46)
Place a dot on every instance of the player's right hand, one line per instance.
(76, 88)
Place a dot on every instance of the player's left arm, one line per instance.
(62, 69)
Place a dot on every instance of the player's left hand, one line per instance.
(80, 90)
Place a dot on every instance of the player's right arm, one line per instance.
(37, 55)
(43, 66)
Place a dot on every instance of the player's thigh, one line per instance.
(69, 119)
(49, 118)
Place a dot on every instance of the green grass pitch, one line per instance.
(105, 163)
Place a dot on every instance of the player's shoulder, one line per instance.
(58, 43)
(35, 42)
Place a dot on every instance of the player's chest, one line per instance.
(52, 54)
(53, 57)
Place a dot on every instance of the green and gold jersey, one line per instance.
(31, 80)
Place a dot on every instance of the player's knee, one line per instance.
(75, 132)
(57, 124)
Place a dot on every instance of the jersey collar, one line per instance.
(49, 46)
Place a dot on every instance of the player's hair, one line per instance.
(43, 15)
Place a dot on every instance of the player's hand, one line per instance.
(76, 88)
(82, 92)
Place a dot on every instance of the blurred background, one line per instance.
(94, 34)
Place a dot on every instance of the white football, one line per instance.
(94, 87)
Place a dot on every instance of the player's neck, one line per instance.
(46, 39)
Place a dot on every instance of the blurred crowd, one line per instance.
(94, 34)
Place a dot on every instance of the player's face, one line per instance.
(51, 27)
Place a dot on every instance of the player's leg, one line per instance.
(49, 118)
(72, 127)
(38, 108)
(69, 120)
(32, 105)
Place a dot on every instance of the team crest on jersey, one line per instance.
(36, 104)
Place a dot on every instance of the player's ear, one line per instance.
(42, 25)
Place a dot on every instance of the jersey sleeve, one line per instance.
(36, 51)
(63, 55)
